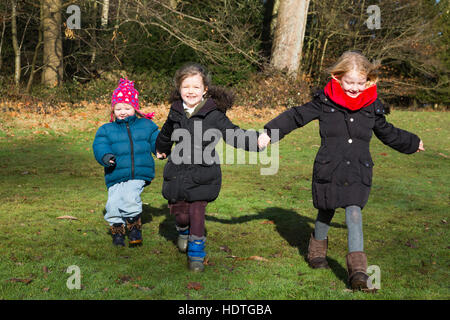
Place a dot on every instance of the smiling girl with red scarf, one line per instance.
(348, 111)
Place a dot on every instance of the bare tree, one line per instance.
(3, 17)
(105, 13)
(15, 43)
(289, 34)
(36, 52)
(52, 74)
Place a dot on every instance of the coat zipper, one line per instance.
(132, 151)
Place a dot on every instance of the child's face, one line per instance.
(192, 90)
(123, 110)
(353, 83)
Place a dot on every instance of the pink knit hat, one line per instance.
(126, 93)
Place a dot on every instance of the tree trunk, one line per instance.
(289, 34)
(36, 52)
(3, 37)
(17, 65)
(52, 73)
(105, 13)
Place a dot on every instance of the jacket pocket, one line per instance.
(323, 169)
(366, 171)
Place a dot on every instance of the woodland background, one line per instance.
(44, 63)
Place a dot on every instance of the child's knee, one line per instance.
(353, 215)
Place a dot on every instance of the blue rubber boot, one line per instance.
(196, 253)
(183, 238)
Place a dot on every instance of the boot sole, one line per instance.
(360, 283)
(319, 263)
(135, 243)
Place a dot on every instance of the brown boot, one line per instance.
(357, 270)
(317, 252)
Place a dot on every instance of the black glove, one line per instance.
(107, 158)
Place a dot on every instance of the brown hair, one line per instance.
(191, 69)
(352, 60)
(223, 97)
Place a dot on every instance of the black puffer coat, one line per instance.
(342, 173)
(196, 179)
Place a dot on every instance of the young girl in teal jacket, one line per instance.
(123, 147)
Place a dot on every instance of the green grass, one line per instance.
(44, 176)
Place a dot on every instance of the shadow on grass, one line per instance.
(293, 227)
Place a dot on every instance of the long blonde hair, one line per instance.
(352, 60)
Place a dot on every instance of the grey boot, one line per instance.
(183, 238)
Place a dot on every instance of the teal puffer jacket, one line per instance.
(131, 141)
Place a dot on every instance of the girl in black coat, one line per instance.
(348, 111)
(192, 175)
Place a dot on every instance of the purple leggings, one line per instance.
(190, 214)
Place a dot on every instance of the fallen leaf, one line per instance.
(258, 258)
(236, 257)
(268, 222)
(67, 217)
(146, 288)
(206, 262)
(410, 244)
(444, 221)
(45, 269)
(225, 248)
(124, 279)
(26, 281)
(194, 285)
(45, 289)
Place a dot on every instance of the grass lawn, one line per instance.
(257, 230)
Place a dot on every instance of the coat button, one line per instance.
(351, 119)
(350, 140)
(332, 110)
(348, 162)
(325, 99)
(346, 183)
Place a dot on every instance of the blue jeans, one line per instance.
(124, 201)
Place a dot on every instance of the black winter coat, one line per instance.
(342, 173)
(196, 179)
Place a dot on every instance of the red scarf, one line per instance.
(334, 91)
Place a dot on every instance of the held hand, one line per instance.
(421, 148)
(263, 141)
(160, 155)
